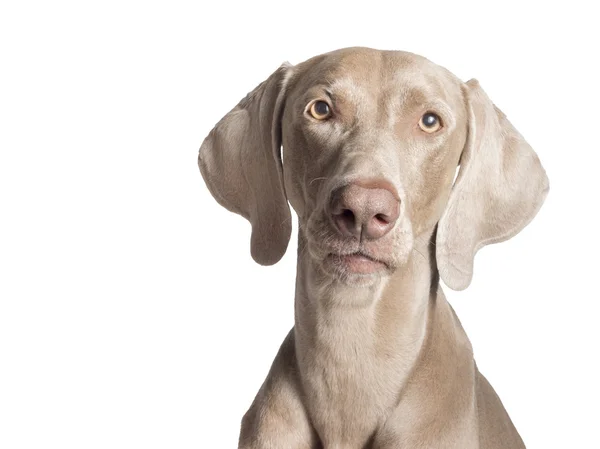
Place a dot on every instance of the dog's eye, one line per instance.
(320, 110)
(430, 122)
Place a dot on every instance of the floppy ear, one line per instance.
(241, 164)
(499, 189)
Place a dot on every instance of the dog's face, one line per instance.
(371, 144)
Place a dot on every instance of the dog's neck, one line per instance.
(344, 327)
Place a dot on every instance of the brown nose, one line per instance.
(364, 212)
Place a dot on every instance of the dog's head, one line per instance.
(371, 144)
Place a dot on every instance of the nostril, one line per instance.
(345, 221)
(348, 215)
(383, 219)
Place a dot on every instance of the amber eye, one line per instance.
(320, 110)
(430, 122)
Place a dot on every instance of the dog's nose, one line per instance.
(363, 211)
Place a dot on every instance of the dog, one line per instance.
(399, 173)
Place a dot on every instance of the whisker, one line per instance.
(420, 253)
(317, 179)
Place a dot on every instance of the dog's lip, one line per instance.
(359, 262)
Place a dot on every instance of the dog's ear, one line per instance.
(499, 189)
(240, 162)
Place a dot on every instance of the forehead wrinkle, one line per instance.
(352, 92)
(416, 90)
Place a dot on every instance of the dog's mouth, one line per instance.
(359, 263)
(356, 261)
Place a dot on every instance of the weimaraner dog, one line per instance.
(372, 141)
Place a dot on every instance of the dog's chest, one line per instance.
(350, 386)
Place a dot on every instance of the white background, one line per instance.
(131, 313)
